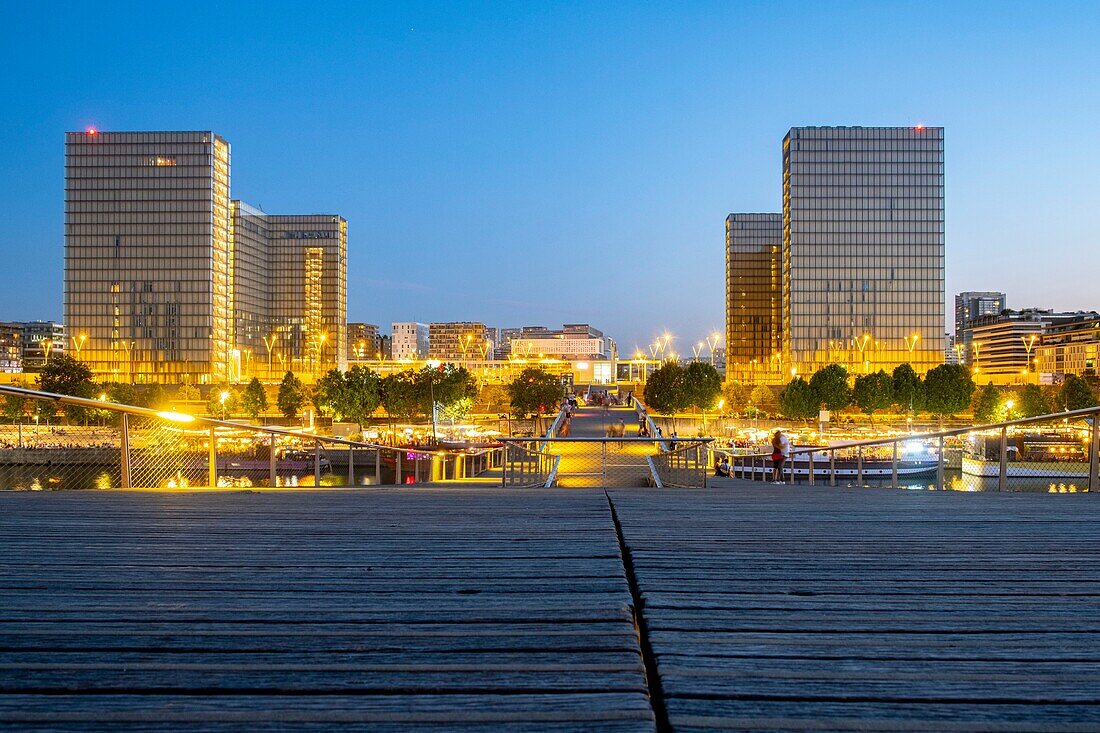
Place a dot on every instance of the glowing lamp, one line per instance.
(92, 131)
(175, 416)
(919, 127)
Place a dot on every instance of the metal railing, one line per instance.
(686, 465)
(1059, 452)
(77, 442)
(524, 465)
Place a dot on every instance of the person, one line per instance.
(723, 468)
(643, 430)
(781, 451)
(672, 442)
(620, 431)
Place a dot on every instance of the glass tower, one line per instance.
(148, 254)
(863, 248)
(754, 243)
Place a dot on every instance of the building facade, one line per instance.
(460, 341)
(754, 295)
(11, 347)
(364, 341)
(1007, 347)
(42, 340)
(572, 341)
(1070, 347)
(969, 307)
(863, 248)
(148, 254)
(168, 280)
(409, 340)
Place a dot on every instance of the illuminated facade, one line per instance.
(460, 341)
(364, 341)
(969, 307)
(754, 295)
(409, 340)
(290, 295)
(863, 247)
(1070, 347)
(148, 254)
(572, 341)
(168, 280)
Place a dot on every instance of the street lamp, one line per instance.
(911, 343)
(1029, 344)
(78, 343)
(269, 342)
(712, 342)
(862, 345)
(222, 398)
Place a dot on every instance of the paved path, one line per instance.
(599, 464)
(474, 609)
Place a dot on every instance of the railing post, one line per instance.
(416, 468)
(1002, 473)
(811, 468)
(832, 468)
(212, 459)
(378, 466)
(894, 467)
(859, 466)
(126, 451)
(316, 463)
(939, 467)
(603, 463)
(397, 468)
(1094, 454)
(351, 465)
(273, 476)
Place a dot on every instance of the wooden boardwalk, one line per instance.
(380, 610)
(476, 609)
(792, 608)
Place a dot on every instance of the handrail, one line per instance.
(1069, 414)
(554, 425)
(168, 417)
(639, 408)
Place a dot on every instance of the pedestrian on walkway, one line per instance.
(620, 430)
(781, 451)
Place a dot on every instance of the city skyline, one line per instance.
(476, 171)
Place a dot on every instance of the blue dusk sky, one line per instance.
(539, 163)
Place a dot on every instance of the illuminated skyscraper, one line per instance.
(754, 295)
(863, 247)
(148, 254)
(167, 280)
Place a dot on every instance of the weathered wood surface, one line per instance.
(794, 608)
(377, 610)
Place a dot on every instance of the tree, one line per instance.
(65, 375)
(948, 389)
(188, 393)
(223, 401)
(329, 393)
(666, 389)
(254, 400)
(457, 410)
(400, 395)
(1076, 394)
(153, 397)
(1032, 401)
(798, 400)
(15, 406)
(291, 396)
(873, 392)
(533, 392)
(988, 407)
(736, 397)
(362, 395)
(830, 387)
(703, 385)
(121, 394)
(762, 400)
(908, 389)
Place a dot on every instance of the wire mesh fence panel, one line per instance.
(52, 448)
(1053, 456)
(685, 465)
(615, 462)
(525, 466)
(165, 454)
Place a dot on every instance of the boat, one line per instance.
(1039, 454)
(916, 459)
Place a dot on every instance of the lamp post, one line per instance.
(911, 343)
(78, 343)
(977, 346)
(47, 346)
(712, 342)
(1029, 344)
(269, 342)
(862, 345)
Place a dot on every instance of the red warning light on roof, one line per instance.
(92, 131)
(919, 127)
